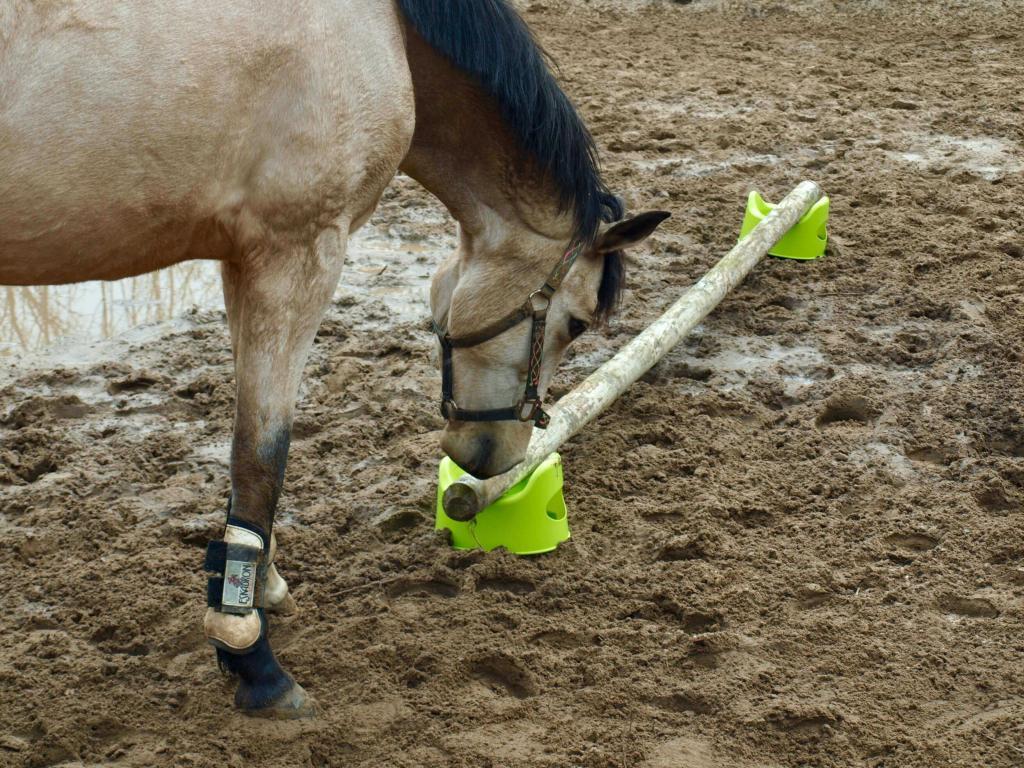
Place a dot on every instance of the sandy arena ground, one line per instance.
(799, 541)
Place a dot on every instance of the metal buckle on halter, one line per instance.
(537, 414)
(449, 409)
(528, 409)
(533, 410)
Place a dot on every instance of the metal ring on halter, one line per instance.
(543, 308)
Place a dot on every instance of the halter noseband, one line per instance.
(530, 406)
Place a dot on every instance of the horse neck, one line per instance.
(463, 154)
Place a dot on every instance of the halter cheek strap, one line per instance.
(535, 308)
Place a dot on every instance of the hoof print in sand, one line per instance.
(38, 411)
(683, 548)
(708, 648)
(811, 596)
(972, 607)
(510, 585)
(396, 521)
(698, 622)
(805, 724)
(422, 588)
(561, 639)
(912, 542)
(504, 675)
(133, 382)
(847, 408)
(994, 498)
(34, 468)
(928, 455)
(664, 609)
(685, 701)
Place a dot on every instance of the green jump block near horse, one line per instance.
(805, 241)
(529, 519)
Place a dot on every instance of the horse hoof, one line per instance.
(293, 704)
(285, 607)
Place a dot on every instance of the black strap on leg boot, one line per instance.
(234, 622)
(240, 565)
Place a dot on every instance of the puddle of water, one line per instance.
(986, 156)
(797, 367)
(217, 452)
(877, 453)
(394, 272)
(36, 317)
(745, 357)
(702, 108)
(58, 317)
(740, 359)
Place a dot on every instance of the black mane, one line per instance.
(488, 40)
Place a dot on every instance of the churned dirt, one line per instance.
(799, 541)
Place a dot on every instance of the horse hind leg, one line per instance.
(275, 300)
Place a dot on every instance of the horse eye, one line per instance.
(576, 327)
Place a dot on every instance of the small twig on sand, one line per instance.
(627, 742)
(1001, 743)
(373, 583)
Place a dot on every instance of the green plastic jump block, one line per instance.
(806, 240)
(528, 520)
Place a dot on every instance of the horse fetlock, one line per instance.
(243, 650)
(276, 598)
(264, 688)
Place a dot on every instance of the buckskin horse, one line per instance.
(137, 135)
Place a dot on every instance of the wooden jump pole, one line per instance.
(469, 495)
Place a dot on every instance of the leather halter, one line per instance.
(530, 406)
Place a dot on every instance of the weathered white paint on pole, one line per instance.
(469, 495)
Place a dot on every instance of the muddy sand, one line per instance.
(799, 541)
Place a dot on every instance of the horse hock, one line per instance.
(245, 585)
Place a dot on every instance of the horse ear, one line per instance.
(626, 234)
